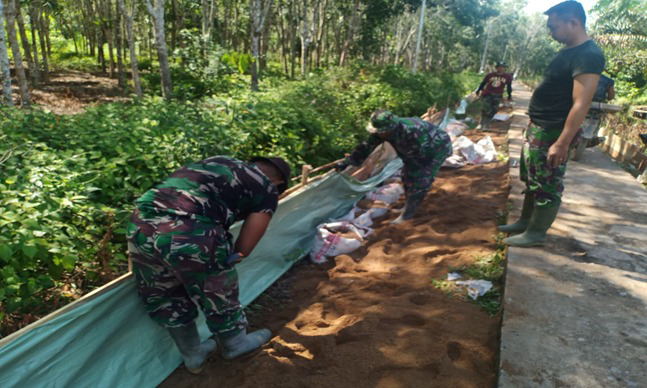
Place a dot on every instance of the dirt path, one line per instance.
(70, 92)
(373, 318)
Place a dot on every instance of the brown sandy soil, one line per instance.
(373, 318)
(70, 92)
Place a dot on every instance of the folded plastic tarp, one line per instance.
(107, 340)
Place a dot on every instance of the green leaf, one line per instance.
(5, 252)
(29, 250)
(69, 262)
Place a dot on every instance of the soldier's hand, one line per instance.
(341, 166)
(557, 155)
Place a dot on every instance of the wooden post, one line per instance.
(305, 170)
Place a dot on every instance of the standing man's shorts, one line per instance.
(491, 105)
(418, 179)
(180, 264)
(544, 181)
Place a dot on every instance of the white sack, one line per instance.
(329, 244)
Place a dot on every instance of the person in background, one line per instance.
(491, 92)
(183, 257)
(557, 109)
(422, 146)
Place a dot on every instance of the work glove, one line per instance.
(341, 166)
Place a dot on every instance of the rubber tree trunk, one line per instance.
(43, 44)
(265, 40)
(305, 37)
(293, 34)
(120, 63)
(46, 31)
(130, 36)
(349, 36)
(32, 22)
(282, 39)
(258, 10)
(15, 49)
(4, 61)
(320, 30)
(34, 73)
(157, 13)
(108, 33)
(414, 68)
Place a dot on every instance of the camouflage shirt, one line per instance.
(217, 189)
(416, 141)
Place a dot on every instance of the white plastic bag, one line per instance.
(476, 153)
(489, 149)
(476, 288)
(387, 193)
(462, 107)
(329, 242)
(454, 161)
(455, 128)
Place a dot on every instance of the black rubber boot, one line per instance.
(535, 234)
(193, 352)
(411, 207)
(526, 213)
(241, 343)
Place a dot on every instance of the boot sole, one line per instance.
(244, 356)
(534, 244)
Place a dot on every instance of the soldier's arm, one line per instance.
(583, 89)
(363, 150)
(253, 229)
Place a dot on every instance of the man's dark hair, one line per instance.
(567, 10)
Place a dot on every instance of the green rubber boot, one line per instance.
(535, 234)
(526, 213)
(240, 343)
(194, 353)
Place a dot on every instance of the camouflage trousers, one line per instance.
(418, 178)
(490, 105)
(544, 181)
(181, 265)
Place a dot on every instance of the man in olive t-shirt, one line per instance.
(557, 109)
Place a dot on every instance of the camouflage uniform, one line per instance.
(422, 146)
(179, 244)
(544, 181)
(490, 105)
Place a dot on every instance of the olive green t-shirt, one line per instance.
(552, 100)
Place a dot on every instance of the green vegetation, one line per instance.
(490, 268)
(68, 181)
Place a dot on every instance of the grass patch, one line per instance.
(491, 267)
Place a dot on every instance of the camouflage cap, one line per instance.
(381, 121)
